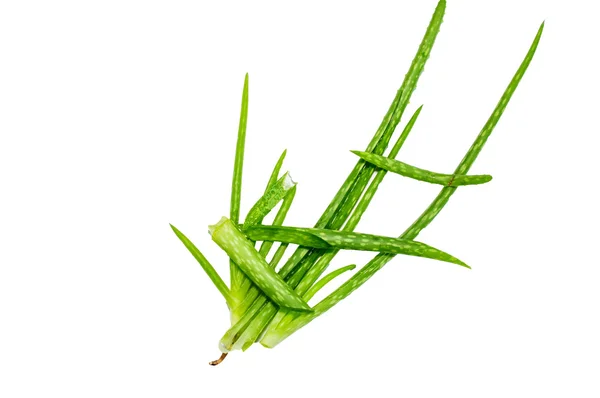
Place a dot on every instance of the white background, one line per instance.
(119, 117)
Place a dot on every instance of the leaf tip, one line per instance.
(538, 36)
(245, 91)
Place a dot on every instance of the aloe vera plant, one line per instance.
(269, 303)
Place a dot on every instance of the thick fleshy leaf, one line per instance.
(243, 253)
(328, 239)
(406, 170)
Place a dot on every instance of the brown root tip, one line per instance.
(218, 361)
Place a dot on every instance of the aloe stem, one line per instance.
(234, 337)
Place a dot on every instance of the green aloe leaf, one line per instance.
(243, 253)
(406, 170)
(207, 266)
(328, 239)
(236, 184)
(325, 280)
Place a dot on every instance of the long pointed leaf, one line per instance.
(207, 266)
(275, 173)
(406, 170)
(328, 239)
(325, 280)
(236, 184)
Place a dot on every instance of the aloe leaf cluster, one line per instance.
(269, 302)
